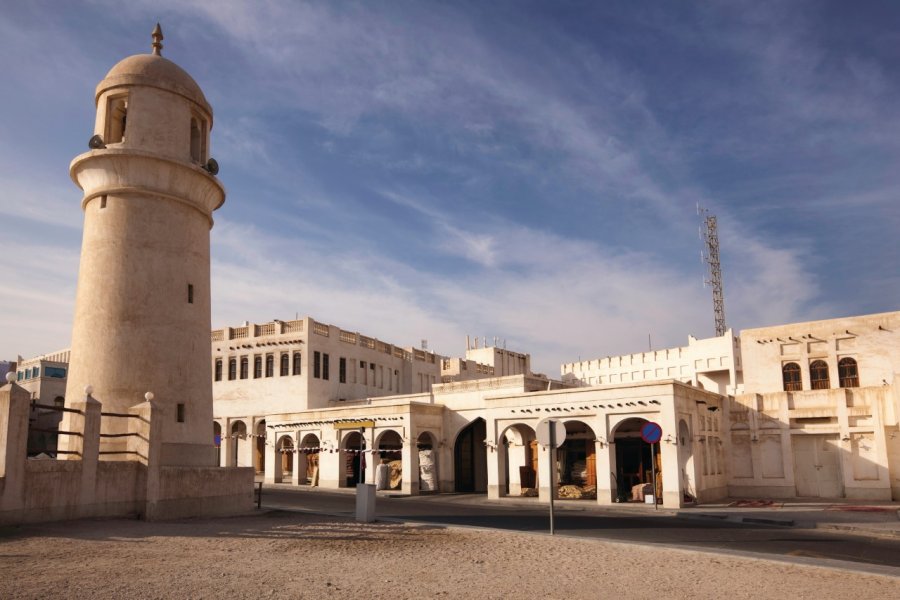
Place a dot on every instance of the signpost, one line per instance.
(550, 433)
(651, 433)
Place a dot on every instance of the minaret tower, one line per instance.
(142, 309)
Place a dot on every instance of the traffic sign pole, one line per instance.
(550, 470)
(651, 433)
(653, 470)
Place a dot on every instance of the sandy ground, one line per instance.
(292, 555)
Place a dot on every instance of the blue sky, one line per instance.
(525, 170)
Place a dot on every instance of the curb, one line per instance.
(738, 519)
(893, 534)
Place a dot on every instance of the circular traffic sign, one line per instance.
(543, 433)
(651, 432)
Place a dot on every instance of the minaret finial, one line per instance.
(157, 36)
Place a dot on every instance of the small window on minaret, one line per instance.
(116, 112)
(180, 413)
(196, 155)
(190, 293)
(103, 201)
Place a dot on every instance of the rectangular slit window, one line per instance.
(180, 413)
(103, 201)
(190, 293)
(116, 113)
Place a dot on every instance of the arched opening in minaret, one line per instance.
(195, 141)
(198, 140)
(116, 112)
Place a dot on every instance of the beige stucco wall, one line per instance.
(873, 340)
(711, 363)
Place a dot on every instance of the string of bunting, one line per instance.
(331, 422)
(349, 451)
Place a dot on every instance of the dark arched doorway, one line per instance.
(634, 463)
(470, 458)
(353, 459)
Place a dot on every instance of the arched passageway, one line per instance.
(426, 446)
(308, 461)
(576, 462)
(217, 441)
(284, 458)
(353, 459)
(686, 462)
(519, 460)
(239, 444)
(634, 463)
(260, 453)
(470, 458)
(389, 451)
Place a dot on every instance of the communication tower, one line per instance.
(710, 255)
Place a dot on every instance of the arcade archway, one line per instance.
(308, 460)
(634, 462)
(470, 458)
(217, 441)
(353, 459)
(260, 452)
(519, 461)
(284, 458)
(577, 462)
(426, 445)
(239, 444)
(389, 451)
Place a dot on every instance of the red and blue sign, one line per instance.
(651, 432)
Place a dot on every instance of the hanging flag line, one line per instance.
(349, 451)
(296, 424)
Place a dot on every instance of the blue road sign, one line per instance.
(651, 432)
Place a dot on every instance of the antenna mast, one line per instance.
(710, 236)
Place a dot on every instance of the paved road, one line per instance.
(645, 528)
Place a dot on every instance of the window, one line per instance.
(180, 413)
(27, 373)
(317, 364)
(324, 366)
(218, 375)
(116, 113)
(57, 372)
(198, 140)
(848, 373)
(342, 370)
(257, 367)
(297, 363)
(232, 369)
(36, 372)
(244, 367)
(285, 365)
(270, 365)
(190, 293)
(103, 201)
(790, 374)
(59, 402)
(195, 141)
(818, 375)
(19, 375)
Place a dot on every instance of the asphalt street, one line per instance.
(643, 527)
